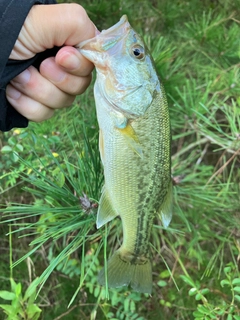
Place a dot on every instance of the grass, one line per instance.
(51, 178)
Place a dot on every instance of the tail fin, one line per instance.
(121, 273)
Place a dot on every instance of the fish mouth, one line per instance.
(115, 31)
(122, 21)
(106, 43)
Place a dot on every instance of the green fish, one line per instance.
(134, 143)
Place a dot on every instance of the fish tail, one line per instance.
(121, 272)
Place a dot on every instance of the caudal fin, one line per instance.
(121, 273)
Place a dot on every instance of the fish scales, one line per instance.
(134, 143)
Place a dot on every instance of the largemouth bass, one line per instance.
(134, 143)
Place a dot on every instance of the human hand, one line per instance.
(36, 94)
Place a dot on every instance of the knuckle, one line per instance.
(78, 13)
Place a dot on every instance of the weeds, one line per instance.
(51, 178)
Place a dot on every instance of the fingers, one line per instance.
(35, 97)
(69, 71)
(63, 80)
(31, 83)
(29, 108)
(64, 24)
(73, 61)
(36, 94)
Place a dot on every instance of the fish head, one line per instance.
(126, 76)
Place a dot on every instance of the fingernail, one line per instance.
(23, 77)
(12, 93)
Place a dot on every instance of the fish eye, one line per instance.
(138, 52)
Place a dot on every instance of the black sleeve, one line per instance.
(12, 16)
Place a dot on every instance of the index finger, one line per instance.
(64, 24)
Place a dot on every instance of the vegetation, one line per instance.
(51, 178)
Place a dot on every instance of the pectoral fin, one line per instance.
(132, 140)
(166, 208)
(105, 210)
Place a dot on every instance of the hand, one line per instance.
(35, 94)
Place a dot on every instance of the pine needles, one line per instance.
(196, 47)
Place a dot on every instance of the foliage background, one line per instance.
(51, 179)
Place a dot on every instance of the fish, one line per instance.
(135, 150)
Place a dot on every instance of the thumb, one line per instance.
(47, 26)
